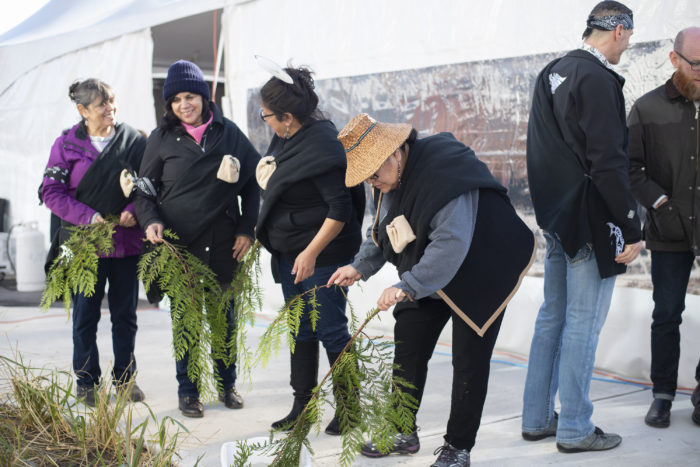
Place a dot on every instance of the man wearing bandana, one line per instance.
(665, 177)
(577, 166)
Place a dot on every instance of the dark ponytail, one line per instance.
(298, 99)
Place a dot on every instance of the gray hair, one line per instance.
(86, 92)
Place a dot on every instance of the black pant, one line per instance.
(670, 272)
(122, 299)
(416, 332)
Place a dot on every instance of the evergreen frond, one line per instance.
(246, 294)
(360, 386)
(197, 306)
(75, 269)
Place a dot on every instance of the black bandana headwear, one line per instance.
(608, 23)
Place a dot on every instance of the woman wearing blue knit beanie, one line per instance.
(196, 166)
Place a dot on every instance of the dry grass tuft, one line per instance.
(42, 424)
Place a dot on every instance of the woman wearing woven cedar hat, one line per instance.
(196, 166)
(309, 221)
(460, 251)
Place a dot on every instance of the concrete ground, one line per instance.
(44, 340)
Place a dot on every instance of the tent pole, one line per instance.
(219, 54)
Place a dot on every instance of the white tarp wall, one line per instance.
(36, 108)
(340, 39)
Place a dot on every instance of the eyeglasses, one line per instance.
(263, 115)
(695, 66)
(375, 175)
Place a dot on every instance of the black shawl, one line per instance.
(197, 198)
(100, 186)
(307, 154)
(439, 169)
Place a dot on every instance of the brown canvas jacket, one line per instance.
(664, 149)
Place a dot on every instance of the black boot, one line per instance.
(659, 414)
(333, 427)
(303, 379)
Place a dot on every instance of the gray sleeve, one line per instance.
(370, 259)
(451, 231)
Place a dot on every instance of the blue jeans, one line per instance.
(562, 354)
(122, 299)
(188, 388)
(332, 325)
(670, 272)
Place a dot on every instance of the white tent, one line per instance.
(64, 41)
(443, 64)
(70, 39)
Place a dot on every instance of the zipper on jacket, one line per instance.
(204, 141)
(82, 148)
(203, 145)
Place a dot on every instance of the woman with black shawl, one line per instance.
(460, 251)
(196, 166)
(86, 179)
(309, 221)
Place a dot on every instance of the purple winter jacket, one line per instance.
(73, 152)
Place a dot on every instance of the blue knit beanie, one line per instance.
(185, 76)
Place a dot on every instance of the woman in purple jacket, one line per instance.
(82, 186)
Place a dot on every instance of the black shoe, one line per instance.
(333, 427)
(596, 441)
(696, 415)
(191, 407)
(403, 444)
(659, 414)
(135, 395)
(551, 430)
(231, 399)
(86, 394)
(450, 456)
(695, 397)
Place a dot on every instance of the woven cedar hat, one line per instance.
(368, 144)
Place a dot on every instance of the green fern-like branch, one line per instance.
(246, 294)
(75, 269)
(197, 306)
(368, 400)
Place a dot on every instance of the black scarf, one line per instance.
(197, 197)
(100, 187)
(438, 170)
(312, 151)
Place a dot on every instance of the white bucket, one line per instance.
(228, 451)
(30, 257)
